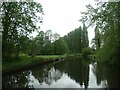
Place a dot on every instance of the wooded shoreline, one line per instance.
(38, 61)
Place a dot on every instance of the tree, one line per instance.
(49, 35)
(84, 36)
(73, 40)
(44, 43)
(56, 36)
(97, 40)
(107, 19)
(60, 47)
(77, 39)
(18, 20)
(40, 42)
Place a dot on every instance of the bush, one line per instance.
(86, 52)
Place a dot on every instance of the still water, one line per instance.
(73, 72)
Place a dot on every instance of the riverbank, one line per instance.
(27, 62)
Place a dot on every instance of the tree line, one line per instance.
(77, 39)
(106, 19)
(18, 21)
(49, 43)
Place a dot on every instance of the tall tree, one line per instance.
(60, 47)
(18, 19)
(97, 40)
(107, 19)
(85, 41)
(77, 39)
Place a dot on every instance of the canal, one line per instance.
(73, 72)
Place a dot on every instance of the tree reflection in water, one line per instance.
(106, 75)
(47, 75)
(77, 71)
(17, 81)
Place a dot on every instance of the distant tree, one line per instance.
(60, 47)
(73, 40)
(48, 38)
(86, 52)
(24, 46)
(56, 36)
(44, 43)
(37, 44)
(49, 35)
(77, 39)
(84, 37)
(97, 40)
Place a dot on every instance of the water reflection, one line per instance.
(76, 70)
(106, 75)
(71, 73)
(18, 80)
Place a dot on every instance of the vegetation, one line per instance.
(86, 52)
(106, 19)
(77, 39)
(48, 43)
(26, 61)
(19, 21)
(21, 51)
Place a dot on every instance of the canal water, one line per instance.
(73, 72)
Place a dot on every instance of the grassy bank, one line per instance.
(27, 61)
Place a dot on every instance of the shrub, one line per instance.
(86, 52)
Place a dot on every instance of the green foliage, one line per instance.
(109, 50)
(97, 40)
(18, 21)
(60, 47)
(106, 16)
(48, 43)
(43, 43)
(86, 52)
(84, 37)
(28, 61)
(77, 39)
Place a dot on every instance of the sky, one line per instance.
(62, 16)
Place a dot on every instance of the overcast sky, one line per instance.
(62, 16)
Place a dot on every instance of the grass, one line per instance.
(28, 61)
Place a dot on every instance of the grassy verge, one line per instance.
(29, 61)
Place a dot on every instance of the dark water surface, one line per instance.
(71, 73)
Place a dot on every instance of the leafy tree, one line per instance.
(56, 36)
(34, 47)
(77, 39)
(47, 42)
(107, 19)
(18, 20)
(60, 47)
(43, 43)
(84, 36)
(49, 35)
(73, 40)
(97, 40)
(24, 44)
(86, 52)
